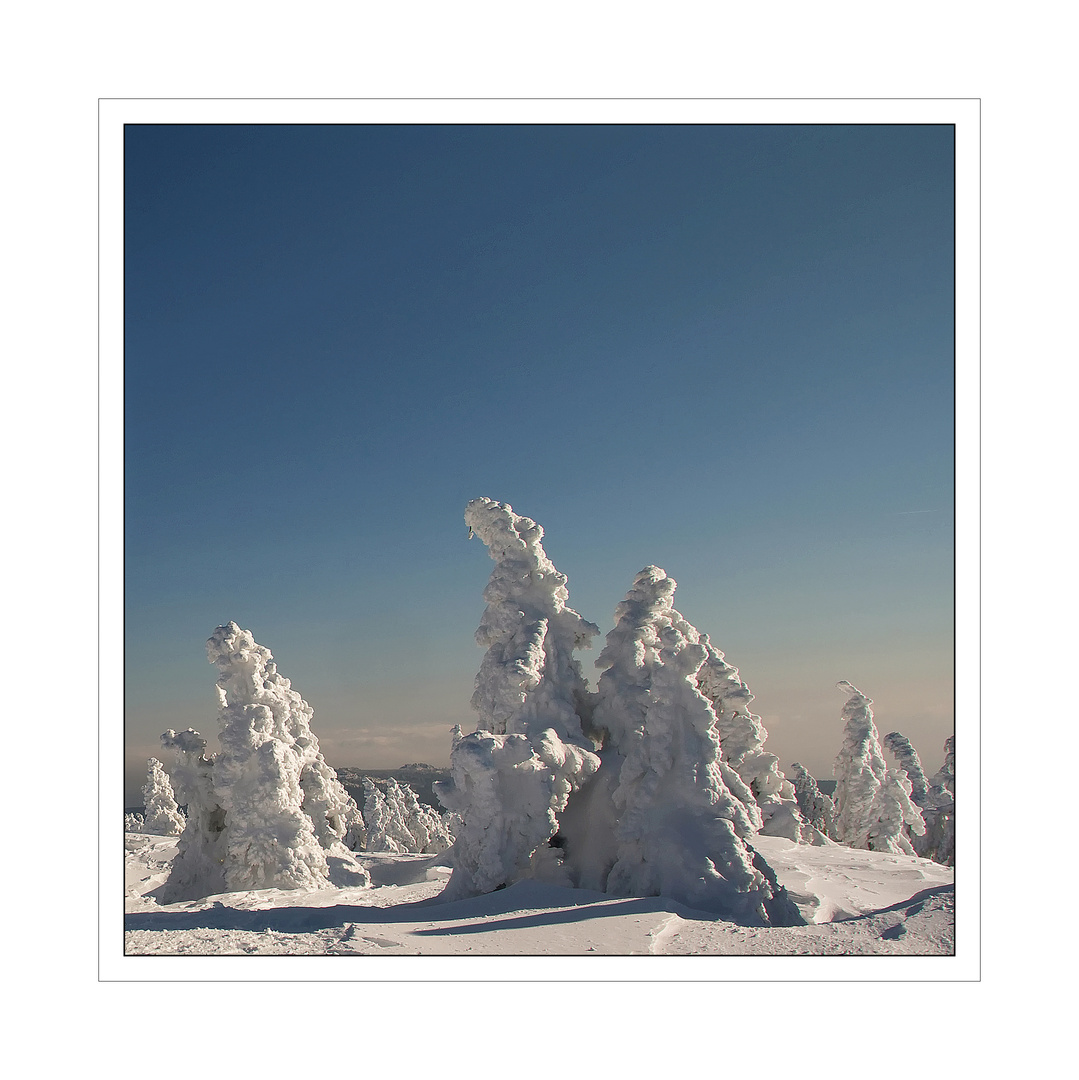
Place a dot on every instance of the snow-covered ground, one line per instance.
(855, 903)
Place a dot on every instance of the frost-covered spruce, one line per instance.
(938, 843)
(628, 661)
(424, 824)
(901, 749)
(270, 841)
(816, 807)
(893, 812)
(285, 818)
(198, 867)
(676, 834)
(133, 822)
(742, 737)
(514, 775)
(398, 822)
(163, 817)
(386, 831)
(859, 770)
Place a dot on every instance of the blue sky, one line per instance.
(726, 350)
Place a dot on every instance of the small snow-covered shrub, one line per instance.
(163, 817)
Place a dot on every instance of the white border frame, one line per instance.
(114, 113)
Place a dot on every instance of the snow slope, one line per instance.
(855, 902)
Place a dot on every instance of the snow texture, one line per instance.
(513, 776)
(901, 749)
(677, 832)
(163, 817)
(816, 807)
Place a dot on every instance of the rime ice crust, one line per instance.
(514, 775)
(270, 812)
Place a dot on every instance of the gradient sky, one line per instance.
(725, 350)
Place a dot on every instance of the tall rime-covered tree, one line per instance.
(907, 757)
(859, 770)
(513, 776)
(265, 811)
(286, 811)
(678, 825)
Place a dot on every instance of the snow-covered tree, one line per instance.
(198, 867)
(266, 811)
(893, 812)
(678, 825)
(386, 831)
(628, 661)
(873, 805)
(816, 807)
(133, 822)
(424, 823)
(163, 817)
(742, 737)
(901, 749)
(398, 822)
(859, 770)
(286, 812)
(514, 775)
(938, 843)
(270, 841)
